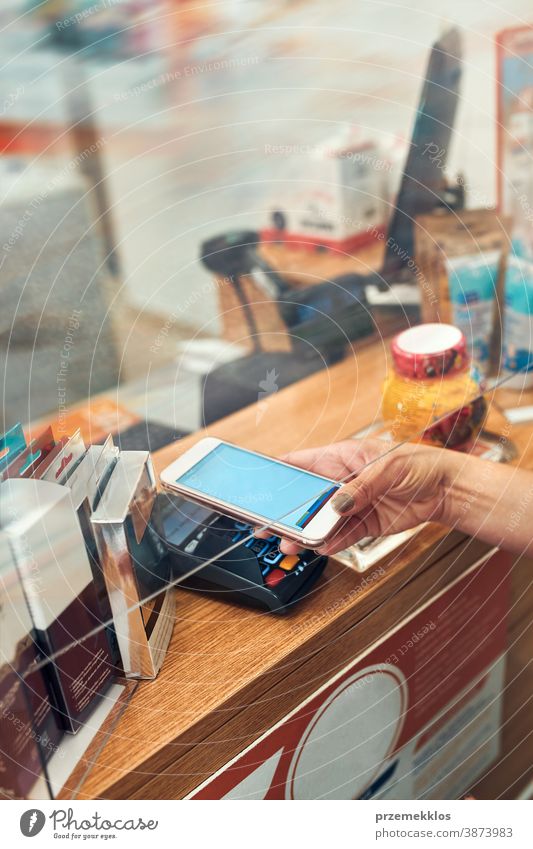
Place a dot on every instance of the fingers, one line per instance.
(356, 499)
(305, 458)
(354, 530)
(322, 461)
(364, 491)
(339, 459)
(287, 546)
(356, 496)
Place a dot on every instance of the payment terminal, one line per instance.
(254, 573)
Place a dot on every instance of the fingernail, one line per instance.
(343, 503)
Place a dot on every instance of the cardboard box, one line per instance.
(335, 196)
(29, 733)
(47, 546)
(134, 564)
(62, 459)
(86, 481)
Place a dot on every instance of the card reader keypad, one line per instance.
(275, 566)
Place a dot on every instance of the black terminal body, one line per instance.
(255, 573)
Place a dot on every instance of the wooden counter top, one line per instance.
(226, 663)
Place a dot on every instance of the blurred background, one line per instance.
(132, 131)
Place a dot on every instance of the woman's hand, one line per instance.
(398, 490)
(394, 490)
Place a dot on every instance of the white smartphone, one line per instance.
(261, 491)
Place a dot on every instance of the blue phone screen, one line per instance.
(260, 485)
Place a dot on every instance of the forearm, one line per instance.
(491, 501)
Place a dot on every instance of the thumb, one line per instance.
(359, 494)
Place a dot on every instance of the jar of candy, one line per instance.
(431, 375)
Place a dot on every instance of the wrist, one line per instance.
(462, 490)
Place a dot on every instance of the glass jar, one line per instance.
(431, 375)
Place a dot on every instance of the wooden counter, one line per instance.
(224, 680)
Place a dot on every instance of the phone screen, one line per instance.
(279, 493)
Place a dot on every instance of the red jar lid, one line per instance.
(429, 351)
